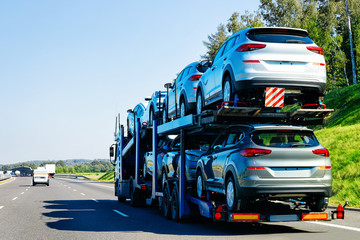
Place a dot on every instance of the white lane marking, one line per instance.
(69, 187)
(14, 198)
(95, 200)
(74, 190)
(82, 194)
(64, 185)
(338, 226)
(22, 193)
(122, 214)
(26, 189)
(1, 207)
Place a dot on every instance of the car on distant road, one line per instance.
(41, 176)
(249, 163)
(182, 93)
(256, 58)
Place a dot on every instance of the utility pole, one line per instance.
(351, 43)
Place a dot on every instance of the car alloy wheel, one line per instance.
(182, 109)
(199, 185)
(199, 104)
(164, 116)
(231, 198)
(227, 91)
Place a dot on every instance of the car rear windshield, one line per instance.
(284, 138)
(276, 35)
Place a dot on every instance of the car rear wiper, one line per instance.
(293, 41)
(300, 145)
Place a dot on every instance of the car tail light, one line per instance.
(195, 77)
(254, 152)
(325, 167)
(256, 168)
(251, 61)
(321, 152)
(250, 47)
(317, 50)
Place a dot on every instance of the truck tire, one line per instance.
(175, 204)
(166, 203)
(118, 194)
(136, 197)
(318, 204)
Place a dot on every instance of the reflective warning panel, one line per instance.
(274, 97)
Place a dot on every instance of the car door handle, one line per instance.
(225, 58)
(214, 157)
(213, 68)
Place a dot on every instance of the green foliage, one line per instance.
(346, 102)
(94, 166)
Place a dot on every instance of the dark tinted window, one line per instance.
(194, 141)
(203, 66)
(219, 142)
(275, 35)
(284, 138)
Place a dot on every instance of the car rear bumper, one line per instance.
(285, 191)
(293, 84)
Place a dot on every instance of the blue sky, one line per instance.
(68, 67)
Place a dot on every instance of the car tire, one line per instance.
(227, 90)
(199, 103)
(33, 183)
(230, 192)
(175, 204)
(166, 202)
(151, 116)
(164, 115)
(200, 187)
(183, 110)
(318, 204)
(47, 184)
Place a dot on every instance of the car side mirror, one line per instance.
(168, 85)
(147, 99)
(111, 150)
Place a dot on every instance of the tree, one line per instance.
(215, 42)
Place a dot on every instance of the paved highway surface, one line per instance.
(81, 209)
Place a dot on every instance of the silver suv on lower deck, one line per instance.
(248, 163)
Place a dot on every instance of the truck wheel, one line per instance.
(175, 204)
(134, 196)
(318, 204)
(47, 183)
(166, 203)
(33, 183)
(230, 191)
(120, 197)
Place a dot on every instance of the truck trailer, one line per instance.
(175, 196)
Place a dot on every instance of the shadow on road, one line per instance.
(88, 215)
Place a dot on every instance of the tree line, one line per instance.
(61, 167)
(325, 20)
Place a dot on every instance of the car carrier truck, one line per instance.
(174, 196)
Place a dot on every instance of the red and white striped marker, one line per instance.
(274, 97)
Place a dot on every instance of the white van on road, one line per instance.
(41, 176)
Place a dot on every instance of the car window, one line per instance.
(202, 67)
(178, 79)
(229, 45)
(231, 139)
(186, 72)
(285, 138)
(218, 142)
(220, 52)
(275, 35)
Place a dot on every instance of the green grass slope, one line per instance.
(341, 135)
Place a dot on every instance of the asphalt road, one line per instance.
(81, 209)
